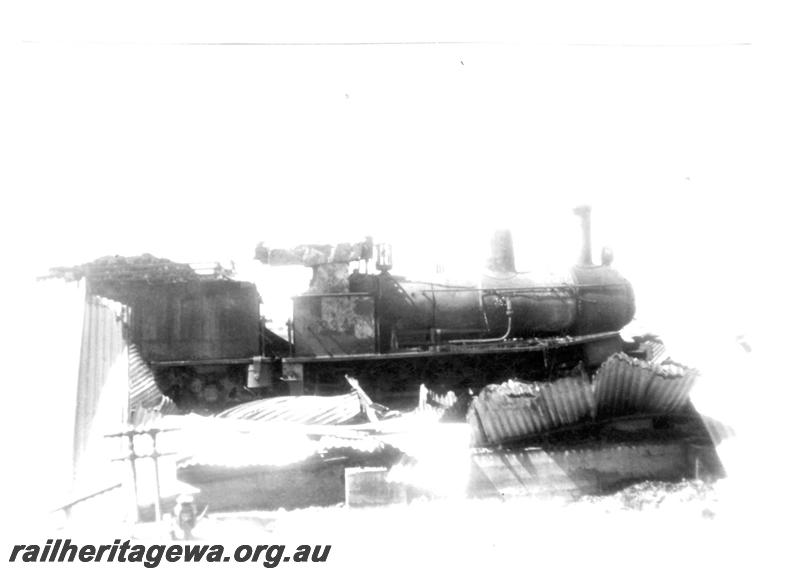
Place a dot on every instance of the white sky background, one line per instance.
(193, 130)
(677, 123)
(121, 132)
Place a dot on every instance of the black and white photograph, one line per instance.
(380, 288)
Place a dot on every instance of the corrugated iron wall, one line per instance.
(102, 392)
(67, 388)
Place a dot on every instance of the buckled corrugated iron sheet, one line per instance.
(515, 410)
(627, 386)
(146, 403)
(143, 391)
(657, 351)
(309, 410)
(622, 387)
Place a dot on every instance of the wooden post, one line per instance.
(155, 455)
(132, 460)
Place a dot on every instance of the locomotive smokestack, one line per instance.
(501, 253)
(585, 213)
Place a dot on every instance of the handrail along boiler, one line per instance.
(393, 333)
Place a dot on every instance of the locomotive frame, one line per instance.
(391, 371)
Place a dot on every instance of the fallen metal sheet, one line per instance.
(623, 387)
(143, 391)
(656, 350)
(516, 410)
(304, 409)
(626, 386)
(146, 403)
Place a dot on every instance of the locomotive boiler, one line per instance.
(394, 333)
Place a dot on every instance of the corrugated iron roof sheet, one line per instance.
(234, 444)
(515, 410)
(304, 409)
(622, 387)
(627, 386)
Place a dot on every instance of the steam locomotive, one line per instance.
(393, 333)
(209, 348)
